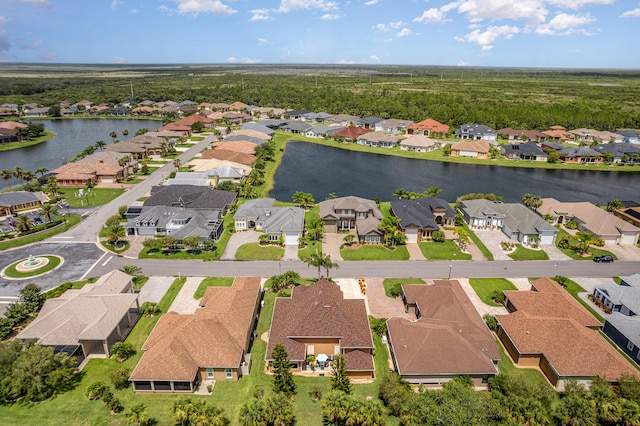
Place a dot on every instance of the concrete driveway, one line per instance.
(154, 289)
(625, 252)
(492, 239)
(331, 245)
(237, 239)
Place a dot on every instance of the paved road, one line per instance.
(88, 229)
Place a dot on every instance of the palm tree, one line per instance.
(113, 135)
(27, 177)
(42, 171)
(100, 145)
(124, 163)
(315, 259)
(24, 223)
(49, 209)
(400, 193)
(115, 234)
(6, 174)
(432, 191)
(586, 238)
(177, 163)
(531, 201)
(255, 178)
(328, 264)
(389, 225)
(462, 236)
(125, 132)
(52, 185)
(132, 270)
(17, 172)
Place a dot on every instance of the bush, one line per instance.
(149, 309)
(315, 393)
(437, 236)
(395, 290)
(498, 296)
(111, 402)
(378, 325)
(491, 322)
(598, 242)
(571, 225)
(561, 280)
(6, 327)
(120, 377)
(122, 351)
(564, 243)
(96, 390)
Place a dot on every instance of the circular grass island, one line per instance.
(31, 267)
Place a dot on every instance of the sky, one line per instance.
(492, 33)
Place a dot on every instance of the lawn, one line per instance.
(375, 252)
(39, 236)
(212, 282)
(523, 253)
(446, 250)
(485, 251)
(574, 288)
(97, 196)
(124, 247)
(390, 283)
(311, 248)
(76, 285)
(254, 251)
(12, 272)
(529, 375)
(486, 287)
(575, 256)
(146, 253)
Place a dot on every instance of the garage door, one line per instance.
(412, 235)
(291, 238)
(627, 239)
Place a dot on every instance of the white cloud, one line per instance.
(371, 3)
(330, 16)
(260, 15)
(345, 62)
(382, 27)
(118, 60)
(289, 5)
(232, 59)
(431, 16)
(204, 6)
(635, 13)
(263, 41)
(115, 4)
(404, 32)
(577, 4)
(375, 58)
(565, 24)
(49, 56)
(25, 45)
(532, 11)
(489, 36)
(41, 3)
(396, 24)
(250, 61)
(3, 20)
(133, 11)
(462, 63)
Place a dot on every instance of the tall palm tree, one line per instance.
(24, 223)
(400, 193)
(52, 185)
(6, 174)
(113, 135)
(328, 264)
(17, 172)
(27, 177)
(100, 145)
(125, 132)
(255, 178)
(315, 259)
(42, 171)
(49, 209)
(432, 191)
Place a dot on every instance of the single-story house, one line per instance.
(548, 329)
(37, 112)
(344, 120)
(591, 218)
(623, 297)
(350, 133)
(378, 139)
(322, 131)
(220, 174)
(592, 135)
(557, 134)
(258, 128)
(392, 125)
(427, 128)
(368, 122)
(580, 154)
(87, 321)
(476, 132)
(229, 155)
(263, 137)
(296, 127)
(177, 222)
(623, 330)
(629, 214)
(419, 143)
(472, 149)
(261, 215)
(246, 147)
(17, 202)
(514, 219)
(184, 350)
(524, 151)
(347, 213)
(317, 320)
(189, 178)
(81, 174)
(629, 135)
(316, 117)
(420, 217)
(522, 135)
(622, 152)
(447, 339)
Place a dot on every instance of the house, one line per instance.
(522, 135)
(368, 122)
(622, 152)
(238, 106)
(316, 117)
(221, 174)
(228, 155)
(348, 213)
(82, 174)
(258, 128)
(207, 165)
(8, 135)
(597, 136)
(322, 131)
(428, 128)
(350, 133)
(476, 132)
(623, 297)
(296, 114)
(591, 218)
(472, 149)
(524, 151)
(191, 197)
(213, 343)
(278, 222)
(419, 143)
(244, 133)
(378, 140)
(447, 339)
(119, 110)
(14, 203)
(548, 329)
(629, 214)
(343, 120)
(242, 138)
(189, 178)
(245, 147)
(392, 125)
(317, 320)
(515, 220)
(557, 134)
(420, 217)
(88, 321)
(629, 135)
(177, 222)
(580, 154)
(37, 112)
(623, 330)
(296, 127)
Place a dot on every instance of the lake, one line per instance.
(72, 136)
(320, 170)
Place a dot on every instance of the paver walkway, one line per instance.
(184, 302)
(492, 239)
(414, 251)
(381, 306)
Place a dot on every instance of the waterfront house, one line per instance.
(392, 125)
(192, 197)
(278, 222)
(352, 213)
(580, 154)
(626, 153)
(419, 143)
(476, 132)
(378, 140)
(524, 151)
(351, 133)
(343, 120)
(322, 131)
(472, 149)
(522, 135)
(420, 217)
(428, 128)
(246, 147)
(629, 135)
(369, 122)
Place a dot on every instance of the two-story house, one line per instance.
(352, 213)
(476, 132)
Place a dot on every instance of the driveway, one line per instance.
(381, 306)
(237, 239)
(492, 239)
(331, 245)
(185, 303)
(154, 289)
(625, 252)
(414, 251)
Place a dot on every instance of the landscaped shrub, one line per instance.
(598, 242)
(507, 246)
(564, 243)
(378, 325)
(560, 280)
(263, 239)
(315, 393)
(149, 309)
(437, 236)
(571, 225)
(396, 290)
(122, 350)
(498, 296)
(96, 390)
(120, 377)
(491, 322)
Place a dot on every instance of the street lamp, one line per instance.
(449, 277)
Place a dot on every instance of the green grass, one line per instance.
(523, 253)
(97, 196)
(17, 145)
(212, 282)
(575, 256)
(389, 283)
(12, 272)
(145, 253)
(574, 288)
(446, 250)
(76, 285)
(375, 252)
(254, 251)
(529, 375)
(39, 236)
(483, 249)
(486, 287)
(111, 248)
(194, 139)
(311, 248)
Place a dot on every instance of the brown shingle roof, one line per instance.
(481, 146)
(215, 336)
(319, 310)
(236, 146)
(86, 170)
(351, 132)
(224, 154)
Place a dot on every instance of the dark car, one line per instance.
(603, 258)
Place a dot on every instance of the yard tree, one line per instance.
(585, 238)
(32, 298)
(273, 410)
(122, 351)
(348, 239)
(462, 237)
(100, 145)
(197, 127)
(328, 264)
(133, 270)
(138, 415)
(392, 234)
(142, 131)
(339, 378)
(192, 242)
(315, 259)
(531, 201)
(24, 223)
(115, 234)
(112, 221)
(188, 411)
(42, 171)
(432, 191)
(6, 174)
(303, 199)
(614, 205)
(341, 409)
(400, 193)
(315, 226)
(282, 377)
(255, 177)
(49, 209)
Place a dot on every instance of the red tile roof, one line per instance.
(429, 125)
(351, 132)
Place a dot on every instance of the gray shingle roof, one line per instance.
(10, 199)
(628, 326)
(516, 216)
(418, 213)
(195, 197)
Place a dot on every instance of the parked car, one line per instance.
(603, 258)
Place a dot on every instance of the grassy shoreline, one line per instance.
(17, 145)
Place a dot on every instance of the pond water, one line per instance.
(321, 170)
(72, 136)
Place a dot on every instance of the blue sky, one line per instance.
(522, 33)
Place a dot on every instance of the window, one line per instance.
(228, 373)
(274, 237)
(630, 345)
(210, 372)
